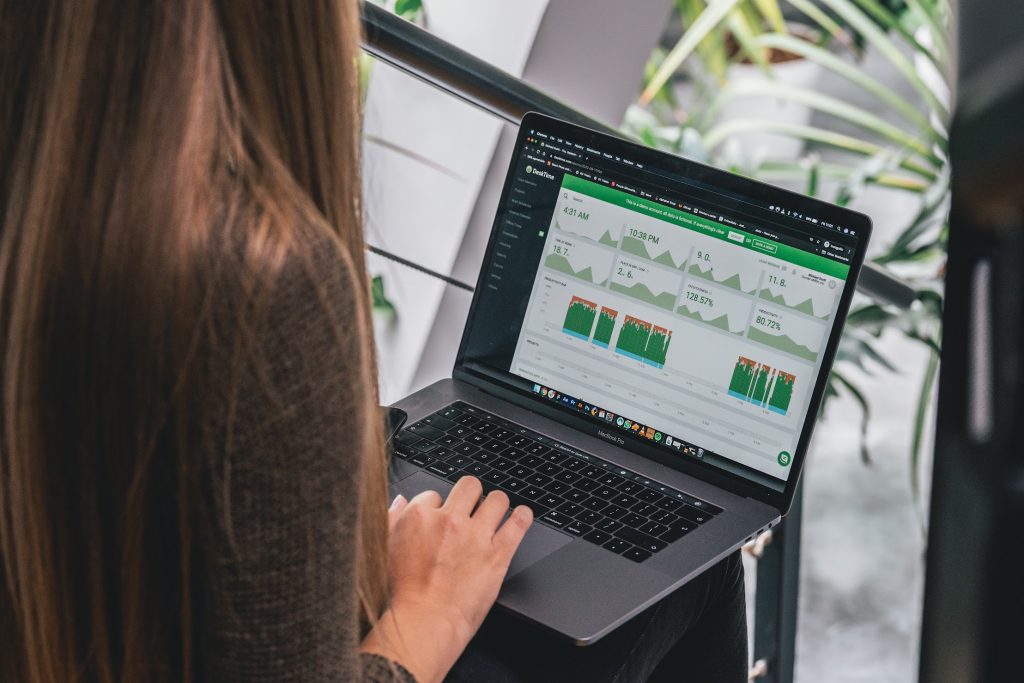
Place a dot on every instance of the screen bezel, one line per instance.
(728, 182)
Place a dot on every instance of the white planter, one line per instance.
(798, 72)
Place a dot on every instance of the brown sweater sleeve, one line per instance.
(282, 600)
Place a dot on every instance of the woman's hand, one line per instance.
(447, 562)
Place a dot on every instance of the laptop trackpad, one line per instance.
(540, 540)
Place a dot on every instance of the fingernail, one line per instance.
(398, 500)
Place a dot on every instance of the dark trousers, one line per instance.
(698, 633)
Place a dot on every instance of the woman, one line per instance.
(192, 473)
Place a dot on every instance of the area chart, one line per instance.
(762, 385)
(645, 283)
(642, 341)
(579, 318)
(579, 259)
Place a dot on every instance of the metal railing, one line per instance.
(466, 77)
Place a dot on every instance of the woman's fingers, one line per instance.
(464, 496)
(511, 533)
(397, 505)
(430, 499)
(492, 510)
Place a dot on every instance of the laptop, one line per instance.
(643, 362)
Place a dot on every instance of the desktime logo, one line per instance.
(537, 171)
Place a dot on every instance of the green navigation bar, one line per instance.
(706, 227)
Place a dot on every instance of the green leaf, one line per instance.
(886, 18)
(829, 105)
(861, 23)
(772, 14)
(920, 422)
(709, 19)
(381, 303)
(859, 77)
(827, 23)
(744, 33)
(408, 8)
(717, 135)
(865, 408)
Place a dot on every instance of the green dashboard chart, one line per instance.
(579, 318)
(656, 241)
(605, 326)
(578, 258)
(762, 385)
(725, 265)
(643, 341)
(787, 332)
(716, 307)
(806, 292)
(587, 217)
(651, 285)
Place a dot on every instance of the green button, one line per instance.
(764, 246)
(785, 458)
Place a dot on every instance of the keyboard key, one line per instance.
(692, 514)
(426, 431)
(501, 434)
(630, 487)
(706, 507)
(456, 475)
(495, 446)
(537, 479)
(451, 413)
(538, 509)
(576, 496)
(633, 520)
(502, 463)
(617, 545)
(484, 428)
(663, 517)
(585, 484)
(676, 531)
(442, 453)
(549, 469)
(519, 441)
(557, 487)
(421, 459)
(642, 540)
(645, 509)
(439, 422)
(466, 449)
(449, 440)
(478, 469)
(514, 453)
(571, 509)
(442, 468)
(530, 461)
(589, 517)
(636, 554)
(513, 485)
(595, 504)
(468, 420)
(669, 504)
(458, 460)
(574, 464)
(477, 439)
(495, 476)
(519, 472)
(650, 496)
(425, 446)
(614, 511)
(624, 500)
(556, 519)
(608, 525)
(484, 456)
(460, 432)
(568, 476)
(576, 528)
(550, 500)
(407, 439)
(598, 537)
(555, 457)
(606, 492)
(610, 479)
(404, 452)
(592, 471)
(653, 529)
(532, 492)
(537, 449)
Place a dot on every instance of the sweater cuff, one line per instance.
(377, 669)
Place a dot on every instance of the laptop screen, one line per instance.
(671, 304)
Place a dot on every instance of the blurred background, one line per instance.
(846, 100)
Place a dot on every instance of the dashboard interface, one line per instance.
(692, 319)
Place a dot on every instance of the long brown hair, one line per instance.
(136, 139)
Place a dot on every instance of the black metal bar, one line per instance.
(778, 584)
(437, 62)
(415, 266)
(432, 60)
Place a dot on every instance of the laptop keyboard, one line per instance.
(567, 489)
